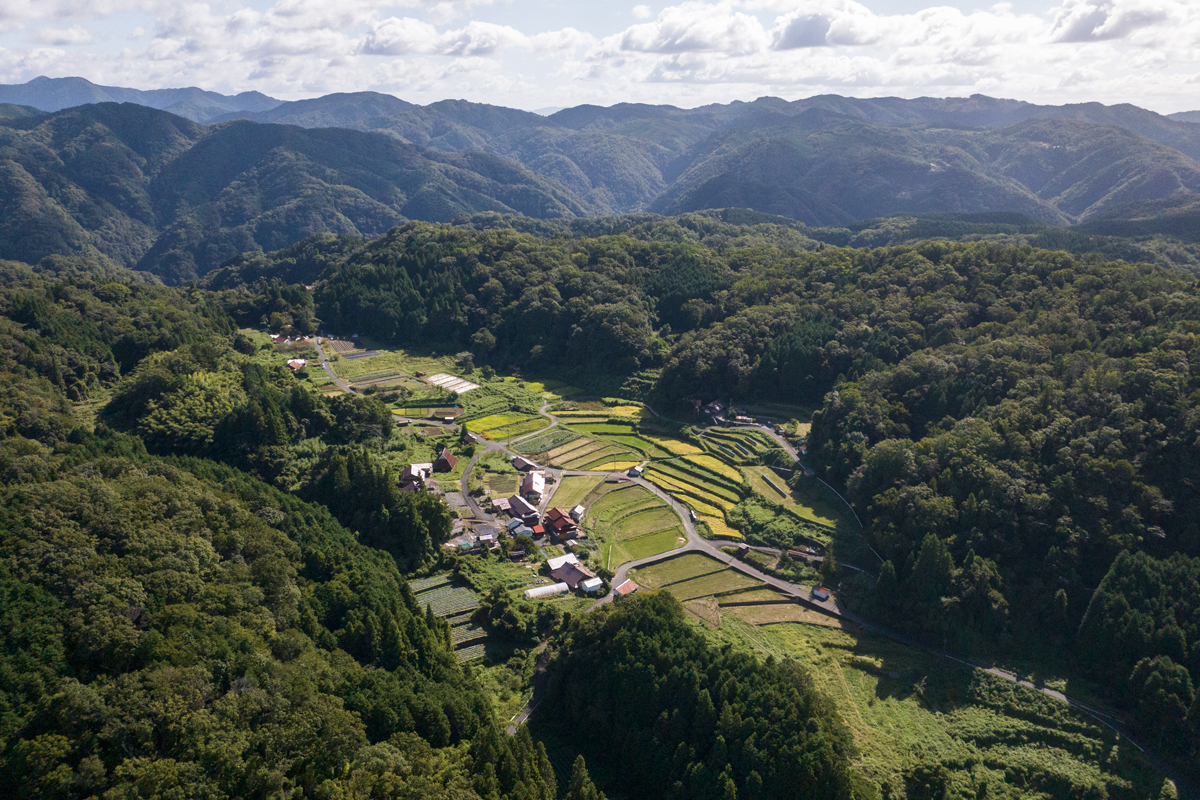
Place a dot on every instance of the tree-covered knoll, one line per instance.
(677, 717)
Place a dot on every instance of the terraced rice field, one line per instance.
(448, 600)
(675, 446)
(609, 428)
(717, 466)
(717, 525)
(702, 479)
(600, 458)
(574, 449)
(687, 492)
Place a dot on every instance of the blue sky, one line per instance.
(547, 53)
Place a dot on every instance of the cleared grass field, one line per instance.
(776, 613)
(649, 544)
(502, 484)
(683, 568)
(643, 520)
(608, 465)
(573, 490)
(727, 580)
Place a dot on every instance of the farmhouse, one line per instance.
(519, 507)
(625, 589)
(560, 524)
(414, 476)
(445, 462)
(297, 363)
(534, 486)
(568, 570)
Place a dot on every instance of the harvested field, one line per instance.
(754, 597)
(705, 608)
(597, 458)
(339, 345)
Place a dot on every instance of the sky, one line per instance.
(536, 54)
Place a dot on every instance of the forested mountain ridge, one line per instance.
(198, 105)
(151, 190)
(154, 192)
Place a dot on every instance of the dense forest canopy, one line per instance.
(1017, 429)
(1005, 420)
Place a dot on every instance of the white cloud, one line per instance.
(693, 26)
(64, 36)
(689, 52)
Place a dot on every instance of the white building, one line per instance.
(546, 591)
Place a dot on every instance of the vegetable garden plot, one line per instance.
(548, 441)
(448, 600)
(424, 584)
(471, 653)
(466, 633)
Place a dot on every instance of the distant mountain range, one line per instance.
(166, 194)
(55, 94)
(1185, 116)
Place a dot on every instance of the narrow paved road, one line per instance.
(341, 384)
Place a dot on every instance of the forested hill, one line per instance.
(153, 191)
(1006, 420)
(200, 580)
